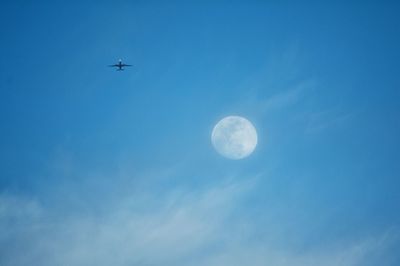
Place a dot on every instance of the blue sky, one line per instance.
(100, 167)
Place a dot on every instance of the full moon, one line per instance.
(234, 137)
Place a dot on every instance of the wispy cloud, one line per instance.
(189, 227)
(350, 254)
(287, 97)
(296, 104)
(318, 121)
(125, 235)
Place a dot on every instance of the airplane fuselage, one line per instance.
(120, 66)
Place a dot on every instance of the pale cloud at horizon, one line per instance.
(191, 227)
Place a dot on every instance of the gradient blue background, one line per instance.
(320, 82)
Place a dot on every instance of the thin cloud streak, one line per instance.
(286, 98)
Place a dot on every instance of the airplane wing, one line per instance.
(124, 65)
(113, 65)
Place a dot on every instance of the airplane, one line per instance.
(120, 66)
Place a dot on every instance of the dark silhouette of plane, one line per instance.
(120, 66)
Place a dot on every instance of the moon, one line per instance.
(234, 137)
